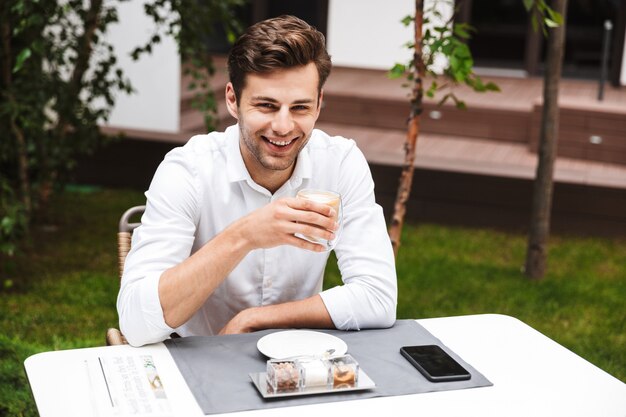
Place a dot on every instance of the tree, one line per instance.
(406, 177)
(58, 82)
(49, 107)
(190, 23)
(536, 253)
(449, 40)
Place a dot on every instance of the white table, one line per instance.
(532, 376)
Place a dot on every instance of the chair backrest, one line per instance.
(125, 234)
(124, 238)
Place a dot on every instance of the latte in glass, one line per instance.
(331, 199)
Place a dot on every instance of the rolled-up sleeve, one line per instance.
(164, 239)
(368, 298)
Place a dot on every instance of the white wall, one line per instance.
(368, 33)
(155, 105)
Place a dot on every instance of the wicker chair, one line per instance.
(124, 235)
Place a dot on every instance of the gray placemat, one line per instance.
(216, 368)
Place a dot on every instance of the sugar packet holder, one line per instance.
(306, 373)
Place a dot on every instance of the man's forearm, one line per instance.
(185, 287)
(310, 313)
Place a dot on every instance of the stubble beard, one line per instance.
(254, 144)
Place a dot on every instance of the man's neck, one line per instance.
(273, 180)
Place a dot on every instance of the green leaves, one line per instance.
(432, 89)
(542, 15)
(63, 80)
(528, 4)
(449, 41)
(397, 71)
(491, 86)
(460, 61)
(479, 86)
(13, 222)
(191, 23)
(59, 91)
(557, 18)
(21, 58)
(550, 23)
(553, 19)
(463, 30)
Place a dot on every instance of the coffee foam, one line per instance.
(321, 197)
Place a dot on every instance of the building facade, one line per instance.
(368, 34)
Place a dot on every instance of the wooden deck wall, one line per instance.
(437, 196)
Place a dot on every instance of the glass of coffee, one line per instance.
(330, 198)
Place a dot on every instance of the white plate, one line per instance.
(281, 345)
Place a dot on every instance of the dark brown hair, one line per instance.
(278, 43)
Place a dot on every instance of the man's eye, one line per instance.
(266, 105)
(300, 108)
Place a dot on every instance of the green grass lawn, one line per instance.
(64, 286)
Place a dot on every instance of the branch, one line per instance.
(84, 50)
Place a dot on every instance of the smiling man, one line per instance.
(217, 251)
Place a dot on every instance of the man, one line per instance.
(217, 251)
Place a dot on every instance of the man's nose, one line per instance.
(282, 124)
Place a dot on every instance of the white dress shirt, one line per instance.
(202, 187)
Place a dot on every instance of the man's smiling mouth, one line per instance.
(279, 143)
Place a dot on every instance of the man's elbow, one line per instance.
(388, 316)
(138, 336)
(133, 336)
(388, 303)
(382, 314)
(381, 310)
(140, 324)
(138, 328)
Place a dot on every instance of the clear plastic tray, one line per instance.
(259, 379)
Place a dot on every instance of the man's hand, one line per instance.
(307, 313)
(276, 224)
(241, 323)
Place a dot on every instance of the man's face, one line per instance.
(276, 114)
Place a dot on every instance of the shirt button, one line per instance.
(268, 283)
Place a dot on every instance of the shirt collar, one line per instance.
(235, 167)
(303, 169)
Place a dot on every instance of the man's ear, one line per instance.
(231, 101)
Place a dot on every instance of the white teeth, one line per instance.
(280, 143)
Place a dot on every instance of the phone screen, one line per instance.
(434, 363)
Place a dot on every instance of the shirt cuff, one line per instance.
(339, 308)
(145, 323)
(151, 303)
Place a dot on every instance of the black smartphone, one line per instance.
(434, 363)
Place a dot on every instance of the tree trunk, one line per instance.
(18, 133)
(71, 96)
(542, 191)
(406, 178)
